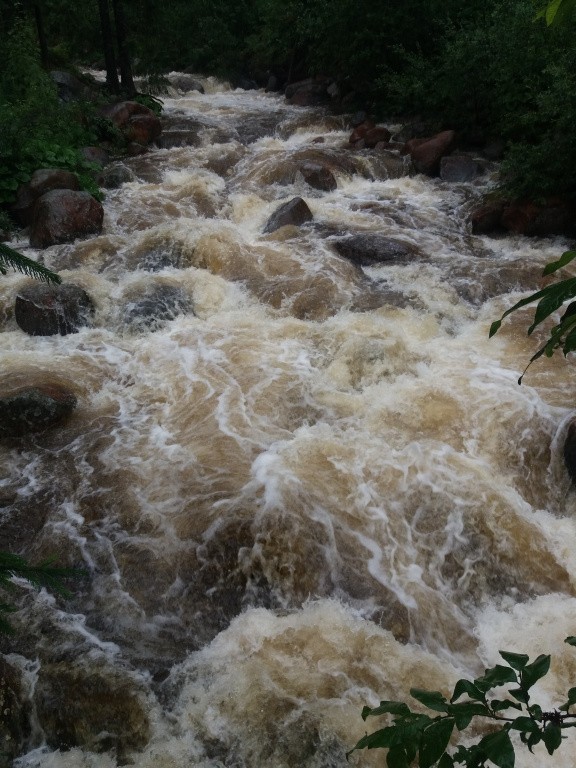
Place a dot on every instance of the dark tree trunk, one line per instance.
(123, 56)
(108, 46)
(41, 34)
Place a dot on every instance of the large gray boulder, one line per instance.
(294, 212)
(47, 310)
(29, 410)
(369, 248)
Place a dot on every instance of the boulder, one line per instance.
(138, 123)
(185, 83)
(143, 129)
(458, 168)
(70, 88)
(318, 176)
(29, 410)
(43, 180)
(376, 135)
(369, 248)
(426, 157)
(62, 215)
(360, 131)
(294, 212)
(98, 709)
(486, 218)
(95, 155)
(158, 303)
(113, 176)
(553, 217)
(46, 310)
(308, 93)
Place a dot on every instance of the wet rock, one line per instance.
(458, 168)
(376, 135)
(113, 176)
(46, 310)
(366, 249)
(427, 154)
(553, 217)
(95, 155)
(358, 118)
(155, 306)
(14, 722)
(486, 218)
(28, 410)
(43, 180)
(318, 176)
(570, 450)
(143, 129)
(360, 132)
(70, 88)
(294, 212)
(138, 123)
(308, 93)
(98, 709)
(186, 83)
(62, 215)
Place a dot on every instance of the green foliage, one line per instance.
(42, 575)
(15, 260)
(563, 334)
(416, 738)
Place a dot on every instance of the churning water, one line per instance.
(298, 486)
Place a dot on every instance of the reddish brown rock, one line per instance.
(487, 217)
(318, 176)
(376, 135)
(42, 181)
(143, 129)
(29, 410)
(554, 217)
(294, 212)
(412, 144)
(120, 113)
(62, 215)
(47, 310)
(427, 155)
(360, 131)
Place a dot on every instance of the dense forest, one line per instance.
(490, 70)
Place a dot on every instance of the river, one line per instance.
(298, 486)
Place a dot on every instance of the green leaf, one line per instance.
(571, 699)
(465, 686)
(386, 707)
(498, 705)
(396, 758)
(434, 741)
(515, 660)
(431, 699)
(498, 675)
(533, 672)
(571, 640)
(464, 712)
(525, 724)
(565, 259)
(498, 748)
(384, 737)
(552, 737)
(446, 761)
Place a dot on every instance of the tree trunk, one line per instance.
(108, 47)
(41, 34)
(123, 56)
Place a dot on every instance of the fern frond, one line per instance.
(11, 258)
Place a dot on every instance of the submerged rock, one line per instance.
(570, 450)
(318, 176)
(28, 410)
(155, 306)
(46, 310)
(14, 723)
(294, 212)
(370, 248)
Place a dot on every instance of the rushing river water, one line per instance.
(298, 486)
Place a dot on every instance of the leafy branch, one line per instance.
(11, 258)
(415, 736)
(563, 334)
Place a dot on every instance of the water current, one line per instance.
(298, 486)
